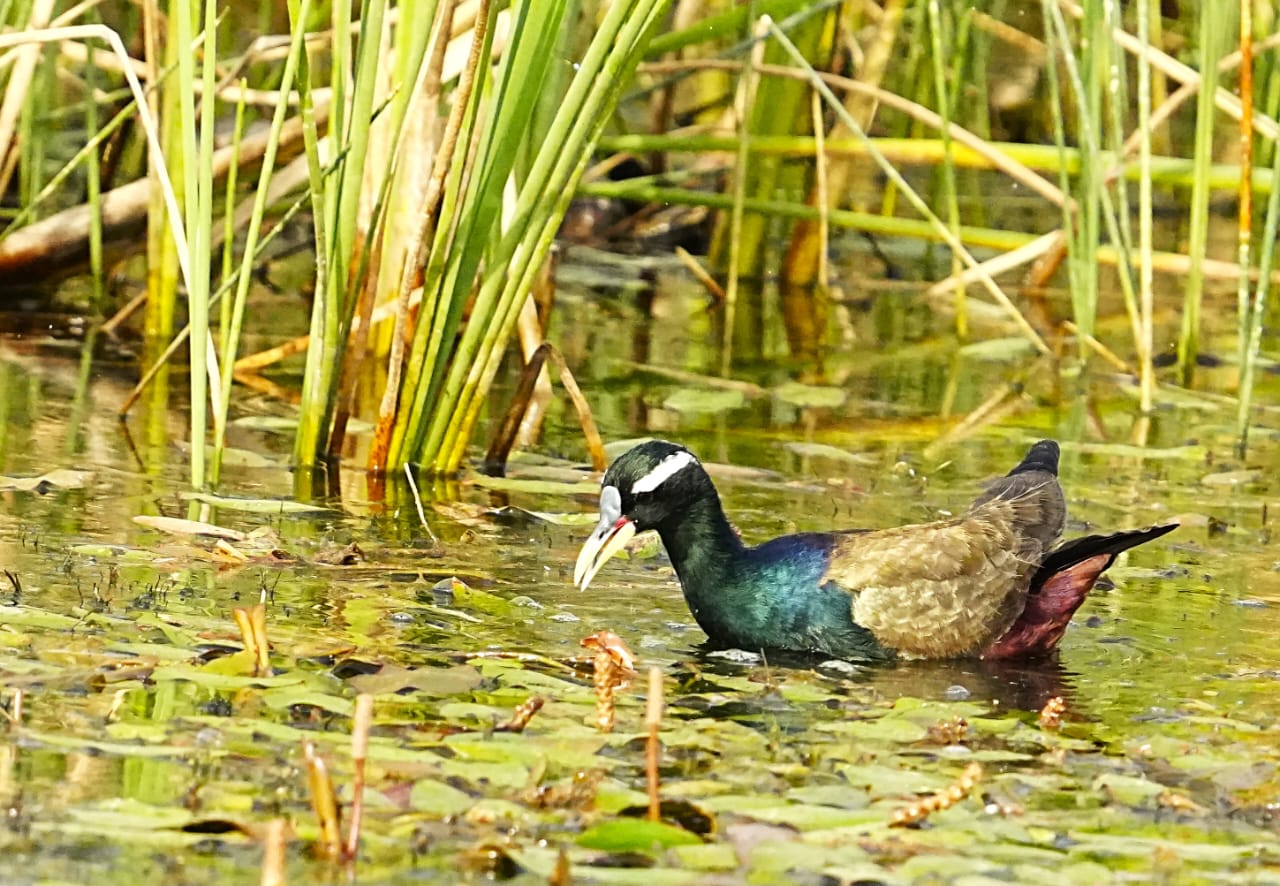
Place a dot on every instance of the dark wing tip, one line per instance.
(1112, 545)
(1043, 456)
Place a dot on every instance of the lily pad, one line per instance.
(810, 396)
(437, 798)
(62, 478)
(834, 453)
(256, 505)
(701, 400)
(635, 835)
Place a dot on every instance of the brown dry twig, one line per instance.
(702, 275)
(949, 796)
(495, 459)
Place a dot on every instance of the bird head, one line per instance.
(642, 489)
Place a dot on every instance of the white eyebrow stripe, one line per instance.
(666, 469)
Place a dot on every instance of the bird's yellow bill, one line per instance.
(609, 538)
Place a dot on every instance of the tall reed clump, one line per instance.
(451, 220)
(442, 143)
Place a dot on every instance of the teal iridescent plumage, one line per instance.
(993, 582)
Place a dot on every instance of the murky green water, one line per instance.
(138, 759)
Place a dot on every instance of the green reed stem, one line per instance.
(93, 179)
(942, 93)
(593, 93)
(1213, 35)
(1259, 307)
(234, 314)
(1146, 245)
(229, 238)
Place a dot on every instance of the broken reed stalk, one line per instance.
(274, 851)
(359, 753)
(323, 802)
(495, 459)
(561, 874)
(652, 748)
(949, 796)
(253, 629)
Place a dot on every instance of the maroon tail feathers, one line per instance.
(1060, 586)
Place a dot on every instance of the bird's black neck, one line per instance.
(704, 550)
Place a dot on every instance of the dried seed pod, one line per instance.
(951, 731)
(916, 812)
(522, 715)
(614, 664)
(615, 646)
(1051, 713)
(605, 680)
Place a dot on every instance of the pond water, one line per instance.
(146, 752)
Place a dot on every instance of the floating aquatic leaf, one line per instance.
(30, 617)
(236, 458)
(112, 748)
(273, 423)
(635, 835)
(432, 681)
(1242, 477)
(1003, 349)
(62, 478)
(695, 400)
(1128, 789)
(467, 597)
(887, 781)
(572, 519)
(179, 526)
(533, 487)
(803, 816)
(210, 678)
(810, 396)
(893, 729)
(127, 814)
(835, 453)
(505, 774)
(1125, 450)
(437, 798)
(256, 505)
(288, 696)
(101, 551)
